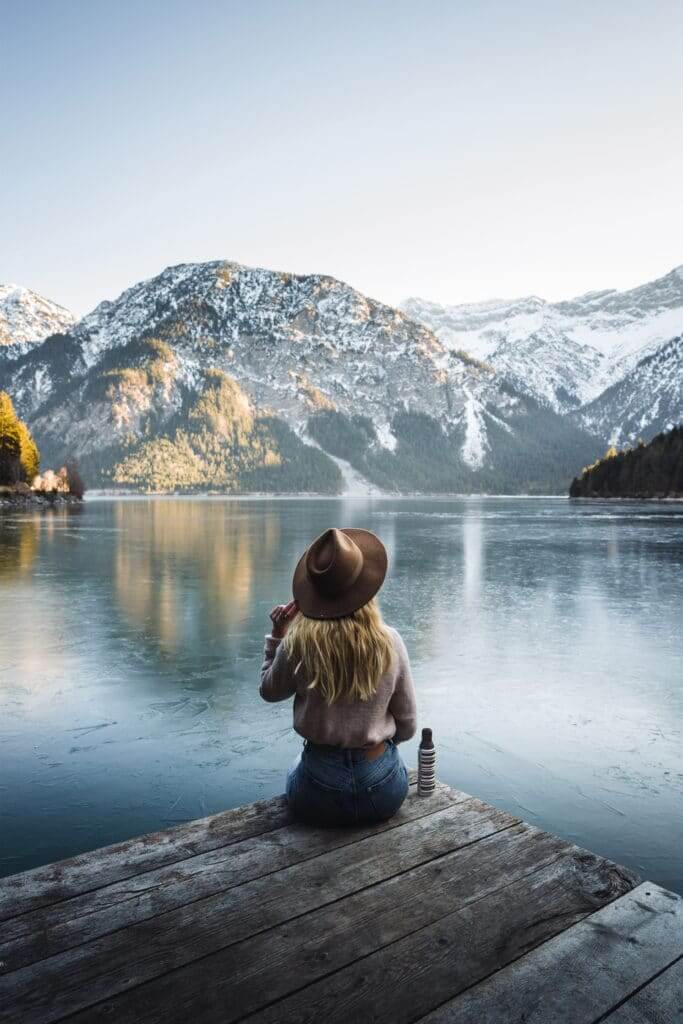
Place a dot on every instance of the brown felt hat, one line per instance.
(339, 573)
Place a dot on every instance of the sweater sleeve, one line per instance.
(277, 681)
(403, 705)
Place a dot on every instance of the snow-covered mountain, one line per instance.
(27, 318)
(294, 343)
(229, 376)
(564, 354)
(646, 401)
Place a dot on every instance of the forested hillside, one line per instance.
(653, 470)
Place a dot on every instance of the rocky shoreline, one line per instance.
(14, 501)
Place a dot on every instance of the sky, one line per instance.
(456, 151)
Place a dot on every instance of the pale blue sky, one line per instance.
(456, 151)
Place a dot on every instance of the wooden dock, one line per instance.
(453, 912)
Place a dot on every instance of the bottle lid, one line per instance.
(427, 742)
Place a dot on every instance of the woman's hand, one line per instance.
(281, 616)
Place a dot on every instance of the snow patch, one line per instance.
(385, 436)
(354, 484)
(475, 447)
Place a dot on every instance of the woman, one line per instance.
(349, 674)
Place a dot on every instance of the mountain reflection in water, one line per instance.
(191, 575)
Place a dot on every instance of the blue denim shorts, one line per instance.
(334, 786)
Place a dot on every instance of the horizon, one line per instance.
(447, 153)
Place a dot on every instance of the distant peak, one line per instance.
(27, 317)
(494, 305)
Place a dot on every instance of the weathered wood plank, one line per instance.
(67, 878)
(242, 978)
(582, 973)
(50, 930)
(659, 1002)
(132, 955)
(401, 982)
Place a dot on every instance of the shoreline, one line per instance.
(10, 502)
(305, 495)
(103, 495)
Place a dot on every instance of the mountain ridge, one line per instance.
(321, 367)
(564, 353)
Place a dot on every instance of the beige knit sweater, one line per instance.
(389, 714)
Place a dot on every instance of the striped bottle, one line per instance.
(426, 765)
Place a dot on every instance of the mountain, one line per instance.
(563, 354)
(646, 401)
(220, 375)
(27, 318)
(653, 470)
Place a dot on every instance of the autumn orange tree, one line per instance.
(19, 455)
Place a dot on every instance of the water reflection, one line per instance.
(192, 571)
(472, 558)
(19, 540)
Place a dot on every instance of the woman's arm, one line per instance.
(277, 682)
(403, 705)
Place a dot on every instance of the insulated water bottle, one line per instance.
(426, 765)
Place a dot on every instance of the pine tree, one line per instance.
(653, 470)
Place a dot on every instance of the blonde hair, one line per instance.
(341, 657)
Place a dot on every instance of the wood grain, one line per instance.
(658, 1002)
(68, 878)
(582, 973)
(450, 913)
(241, 978)
(402, 982)
(49, 930)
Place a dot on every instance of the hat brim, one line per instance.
(314, 605)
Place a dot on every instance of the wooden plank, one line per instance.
(276, 841)
(239, 979)
(50, 930)
(403, 981)
(83, 975)
(658, 1002)
(582, 973)
(68, 878)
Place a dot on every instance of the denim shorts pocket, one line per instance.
(386, 796)
(385, 779)
(315, 781)
(316, 803)
(384, 766)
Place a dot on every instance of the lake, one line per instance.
(545, 638)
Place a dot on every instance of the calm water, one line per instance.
(545, 639)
